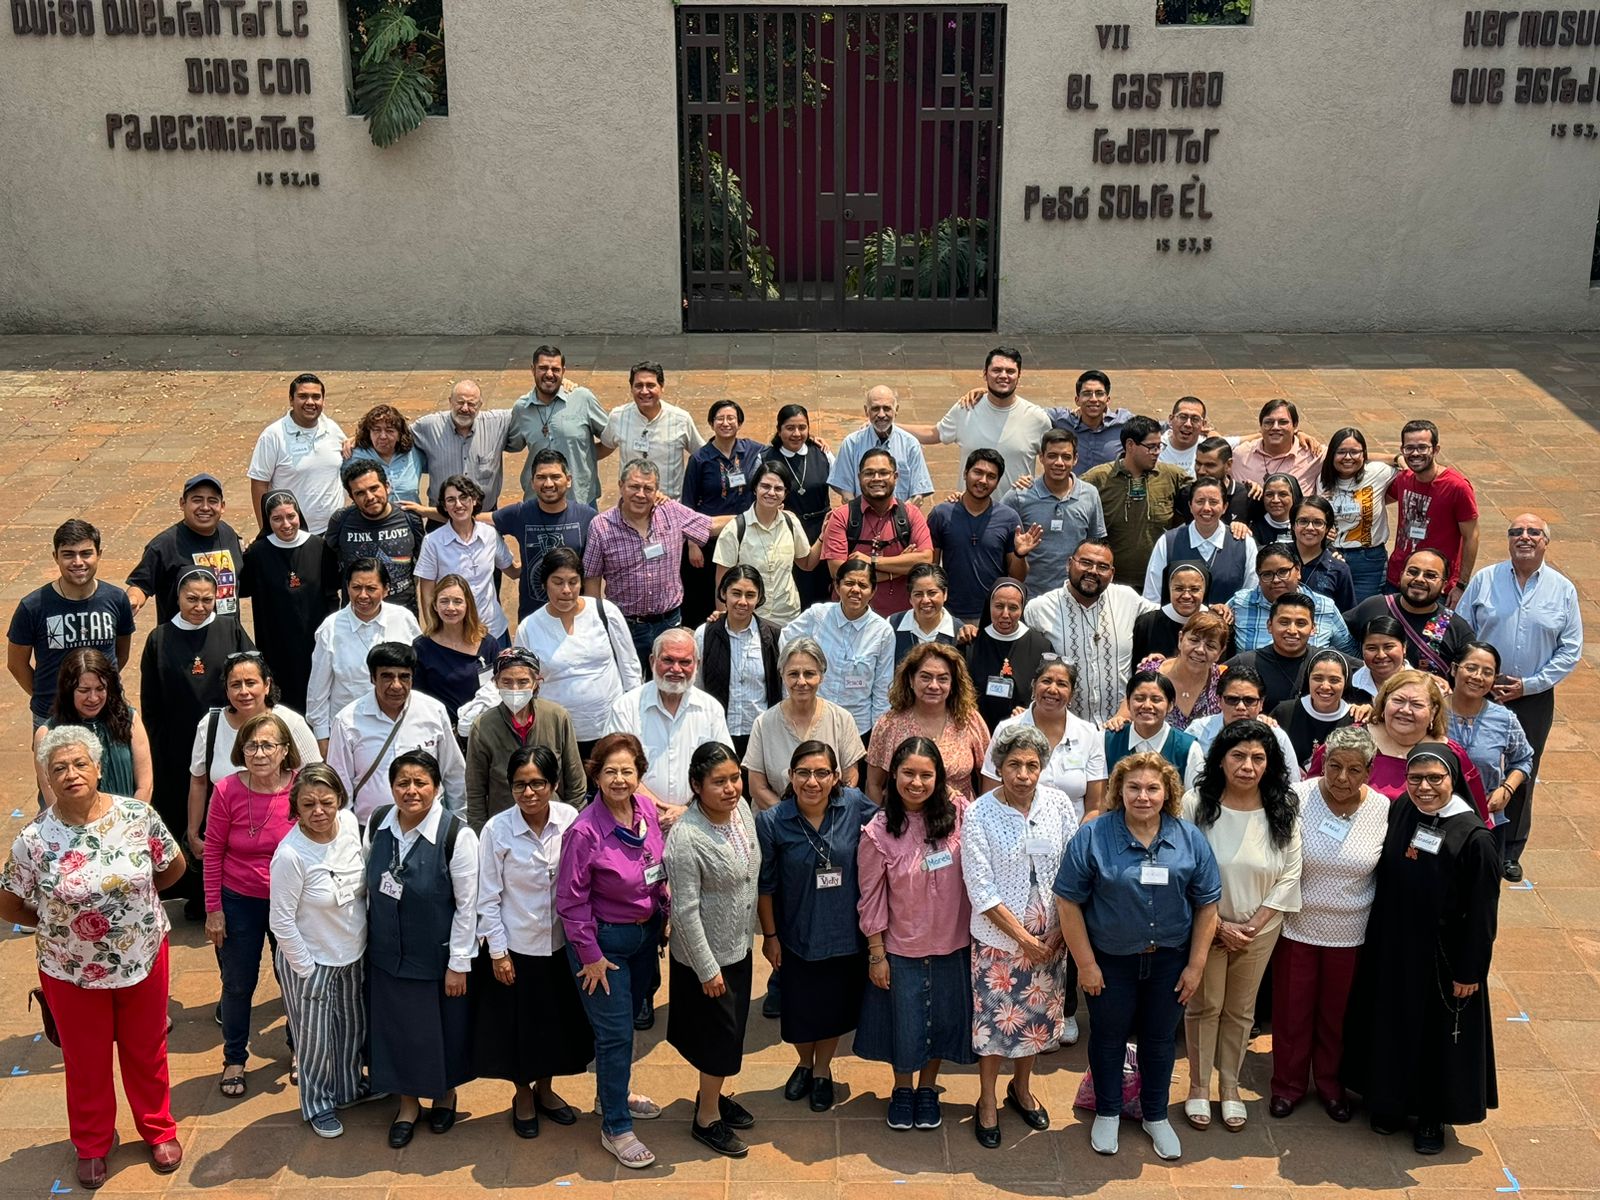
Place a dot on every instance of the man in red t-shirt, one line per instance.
(1437, 511)
(877, 538)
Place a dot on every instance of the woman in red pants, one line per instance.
(85, 872)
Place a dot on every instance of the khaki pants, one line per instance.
(1217, 1023)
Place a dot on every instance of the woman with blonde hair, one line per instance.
(932, 696)
(456, 652)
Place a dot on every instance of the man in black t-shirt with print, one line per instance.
(371, 527)
(201, 539)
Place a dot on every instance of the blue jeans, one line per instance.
(633, 949)
(1138, 1004)
(1367, 570)
(239, 960)
(645, 634)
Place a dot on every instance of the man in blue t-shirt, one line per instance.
(75, 612)
(541, 524)
(976, 540)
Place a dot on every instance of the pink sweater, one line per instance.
(243, 828)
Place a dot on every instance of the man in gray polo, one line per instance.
(1066, 508)
(466, 440)
(569, 422)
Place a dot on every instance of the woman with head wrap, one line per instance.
(1419, 1041)
(294, 580)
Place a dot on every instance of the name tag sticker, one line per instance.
(1153, 875)
(641, 445)
(1331, 826)
(653, 551)
(1427, 840)
(736, 479)
(655, 873)
(938, 860)
(1037, 845)
(1057, 524)
(829, 877)
(391, 887)
(1417, 532)
(998, 685)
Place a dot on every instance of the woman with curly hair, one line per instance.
(932, 696)
(89, 693)
(384, 435)
(1249, 816)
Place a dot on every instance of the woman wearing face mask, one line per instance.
(584, 645)
(713, 859)
(515, 716)
(1419, 1042)
(180, 677)
(1488, 731)
(1272, 516)
(1156, 633)
(1230, 560)
(932, 697)
(772, 541)
(528, 1023)
(89, 694)
(1321, 568)
(1005, 656)
(805, 463)
(858, 640)
(293, 577)
(738, 655)
(1357, 489)
(1320, 708)
(926, 620)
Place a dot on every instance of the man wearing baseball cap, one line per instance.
(201, 539)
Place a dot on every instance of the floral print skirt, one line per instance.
(1017, 1005)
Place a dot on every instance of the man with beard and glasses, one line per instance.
(993, 416)
(568, 421)
(1435, 634)
(878, 527)
(1528, 611)
(1277, 574)
(881, 433)
(977, 541)
(1090, 623)
(1437, 511)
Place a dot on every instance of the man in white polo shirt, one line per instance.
(301, 453)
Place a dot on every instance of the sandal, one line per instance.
(233, 1086)
(1197, 1113)
(294, 1070)
(628, 1150)
(642, 1108)
(1234, 1115)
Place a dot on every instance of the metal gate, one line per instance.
(840, 166)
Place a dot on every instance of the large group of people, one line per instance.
(1183, 732)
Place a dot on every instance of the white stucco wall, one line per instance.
(1348, 192)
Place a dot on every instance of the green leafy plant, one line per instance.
(1203, 12)
(399, 66)
(720, 234)
(951, 259)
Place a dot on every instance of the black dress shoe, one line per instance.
(772, 1005)
(821, 1094)
(1338, 1109)
(734, 1115)
(1280, 1106)
(564, 1115)
(1383, 1126)
(1429, 1137)
(720, 1138)
(645, 1018)
(1033, 1118)
(400, 1134)
(441, 1119)
(799, 1085)
(988, 1135)
(526, 1127)
(1512, 871)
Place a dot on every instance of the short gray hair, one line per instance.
(674, 634)
(63, 736)
(1350, 737)
(803, 645)
(639, 466)
(1020, 736)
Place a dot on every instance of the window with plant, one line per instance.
(397, 64)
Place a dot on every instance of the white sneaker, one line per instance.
(1070, 1036)
(1103, 1136)
(1165, 1139)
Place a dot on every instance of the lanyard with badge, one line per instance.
(827, 875)
(1427, 839)
(392, 884)
(653, 549)
(1036, 846)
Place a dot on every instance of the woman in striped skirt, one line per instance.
(318, 913)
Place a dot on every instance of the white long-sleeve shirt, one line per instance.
(339, 658)
(517, 882)
(669, 739)
(318, 908)
(359, 731)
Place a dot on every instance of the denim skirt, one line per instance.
(925, 1014)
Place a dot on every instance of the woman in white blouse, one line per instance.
(1246, 810)
(1011, 848)
(584, 645)
(318, 913)
(528, 1023)
(1342, 827)
(1076, 763)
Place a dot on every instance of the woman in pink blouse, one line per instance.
(916, 916)
(250, 814)
(932, 697)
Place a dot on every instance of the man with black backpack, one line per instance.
(877, 527)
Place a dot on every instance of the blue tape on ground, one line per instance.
(57, 1190)
(1525, 886)
(1518, 1017)
(1515, 1186)
(16, 812)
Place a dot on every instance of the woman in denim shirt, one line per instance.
(1489, 732)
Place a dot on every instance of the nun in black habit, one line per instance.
(1419, 1042)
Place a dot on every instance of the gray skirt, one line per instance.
(421, 1038)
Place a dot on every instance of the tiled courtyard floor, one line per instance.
(107, 428)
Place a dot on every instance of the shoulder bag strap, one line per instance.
(1436, 663)
(382, 750)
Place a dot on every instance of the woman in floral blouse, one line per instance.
(86, 872)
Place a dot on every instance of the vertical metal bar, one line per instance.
(859, 101)
(708, 80)
(881, 162)
(782, 163)
(821, 176)
(799, 149)
(996, 152)
(912, 94)
(759, 205)
(843, 100)
(967, 131)
(717, 54)
(934, 197)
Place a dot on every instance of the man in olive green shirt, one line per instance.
(1136, 495)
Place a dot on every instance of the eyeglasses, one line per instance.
(1400, 705)
(1153, 447)
(531, 785)
(1436, 780)
(1532, 531)
(1240, 701)
(1088, 564)
(254, 656)
(1276, 576)
(262, 747)
(1310, 523)
(807, 774)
